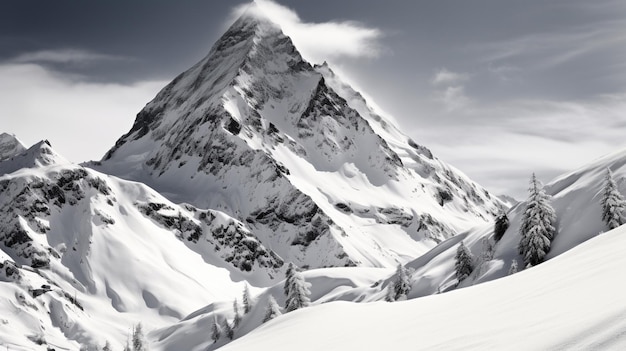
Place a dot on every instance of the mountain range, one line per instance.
(251, 160)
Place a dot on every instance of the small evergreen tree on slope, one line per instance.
(216, 331)
(500, 226)
(390, 295)
(613, 203)
(402, 284)
(138, 339)
(237, 316)
(464, 263)
(272, 311)
(298, 296)
(513, 267)
(228, 329)
(537, 228)
(246, 299)
(288, 278)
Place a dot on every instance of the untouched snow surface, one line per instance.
(574, 301)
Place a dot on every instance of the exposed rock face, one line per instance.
(297, 155)
(34, 200)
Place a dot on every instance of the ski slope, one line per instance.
(574, 301)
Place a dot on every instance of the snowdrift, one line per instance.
(573, 301)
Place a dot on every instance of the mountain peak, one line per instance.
(10, 146)
(39, 155)
(294, 153)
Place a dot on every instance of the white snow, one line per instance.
(10, 145)
(250, 151)
(573, 302)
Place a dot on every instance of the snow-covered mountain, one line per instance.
(251, 159)
(295, 154)
(10, 146)
(84, 255)
(575, 197)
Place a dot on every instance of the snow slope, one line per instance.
(576, 198)
(84, 256)
(10, 146)
(287, 148)
(574, 301)
(327, 284)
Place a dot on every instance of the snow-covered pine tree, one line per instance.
(237, 317)
(513, 268)
(488, 250)
(107, 346)
(390, 296)
(486, 254)
(464, 262)
(228, 329)
(216, 331)
(537, 229)
(247, 302)
(500, 226)
(288, 278)
(613, 203)
(272, 311)
(298, 296)
(402, 284)
(127, 346)
(139, 343)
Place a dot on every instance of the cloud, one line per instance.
(500, 143)
(547, 50)
(64, 56)
(445, 77)
(321, 41)
(504, 72)
(81, 119)
(453, 98)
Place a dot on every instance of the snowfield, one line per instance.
(572, 302)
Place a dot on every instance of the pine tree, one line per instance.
(488, 250)
(107, 346)
(237, 318)
(247, 302)
(138, 339)
(298, 293)
(537, 229)
(228, 329)
(613, 203)
(288, 278)
(402, 284)
(500, 226)
(464, 264)
(486, 254)
(127, 347)
(390, 296)
(513, 268)
(272, 311)
(216, 331)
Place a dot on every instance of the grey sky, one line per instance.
(497, 88)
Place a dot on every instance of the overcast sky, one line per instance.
(499, 89)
